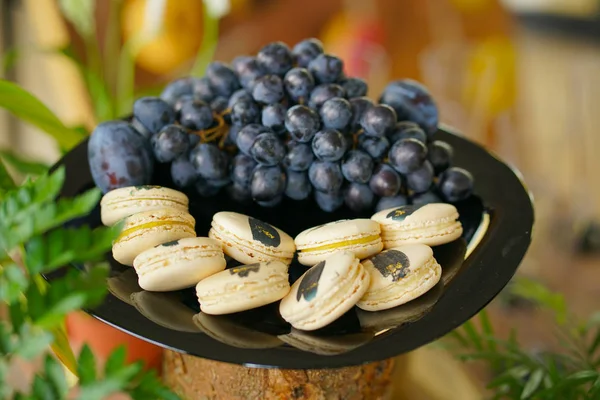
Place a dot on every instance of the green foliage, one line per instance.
(22, 165)
(572, 373)
(34, 241)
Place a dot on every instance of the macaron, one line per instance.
(179, 264)
(249, 240)
(358, 236)
(120, 203)
(326, 345)
(398, 276)
(243, 288)
(224, 329)
(144, 230)
(166, 310)
(431, 224)
(325, 292)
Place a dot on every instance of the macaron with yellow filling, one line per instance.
(249, 240)
(147, 229)
(358, 236)
(120, 203)
(398, 276)
(431, 224)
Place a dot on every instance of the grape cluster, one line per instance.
(286, 123)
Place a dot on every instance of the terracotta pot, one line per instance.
(103, 339)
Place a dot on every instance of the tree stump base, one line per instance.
(196, 378)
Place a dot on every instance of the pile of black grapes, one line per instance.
(286, 122)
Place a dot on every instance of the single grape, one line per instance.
(355, 87)
(412, 102)
(240, 94)
(268, 89)
(358, 197)
(302, 123)
(298, 84)
(425, 198)
(298, 185)
(385, 182)
(181, 100)
(376, 147)
(219, 182)
(357, 166)
(329, 202)
(275, 58)
(306, 51)
(273, 116)
(118, 156)
(402, 130)
(440, 155)
(196, 115)
(271, 203)
(219, 104)
(386, 203)
(178, 88)
(407, 155)
(326, 176)
(336, 113)
(359, 106)
(232, 135)
(267, 183)
(326, 68)
(378, 120)
(205, 189)
(456, 184)
(247, 135)
(324, 92)
(248, 70)
(171, 142)
(299, 156)
(329, 145)
(210, 162)
(245, 112)
(183, 172)
(267, 149)
(242, 167)
(420, 180)
(222, 78)
(203, 90)
(239, 193)
(151, 114)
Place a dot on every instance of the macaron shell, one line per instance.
(325, 292)
(145, 230)
(398, 276)
(243, 288)
(432, 236)
(244, 252)
(121, 203)
(223, 329)
(179, 264)
(166, 310)
(417, 214)
(361, 251)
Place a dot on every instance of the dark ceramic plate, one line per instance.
(497, 228)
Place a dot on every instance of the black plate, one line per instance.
(496, 235)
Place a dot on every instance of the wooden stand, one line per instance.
(196, 378)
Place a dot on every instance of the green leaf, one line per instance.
(4, 389)
(115, 361)
(532, 384)
(86, 366)
(473, 335)
(595, 343)
(80, 13)
(594, 391)
(9, 59)
(6, 181)
(535, 291)
(150, 387)
(13, 283)
(22, 165)
(42, 389)
(17, 315)
(6, 341)
(101, 98)
(33, 341)
(27, 107)
(55, 376)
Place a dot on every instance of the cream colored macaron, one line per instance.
(326, 345)
(243, 288)
(398, 276)
(249, 240)
(226, 330)
(120, 203)
(431, 224)
(359, 236)
(147, 229)
(325, 292)
(179, 264)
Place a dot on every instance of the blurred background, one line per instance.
(521, 77)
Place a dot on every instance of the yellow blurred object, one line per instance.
(177, 42)
(471, 5)
(491, 76)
